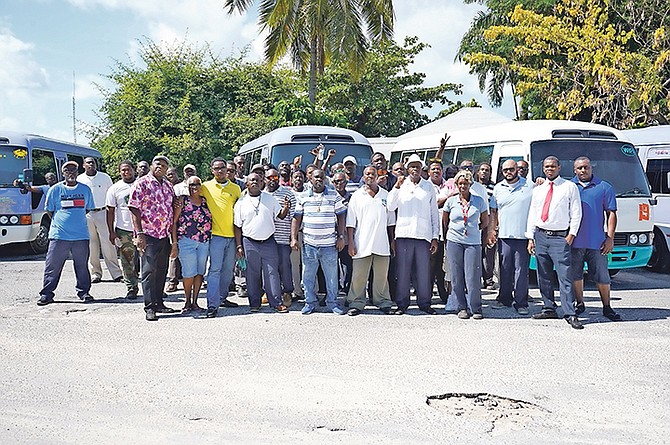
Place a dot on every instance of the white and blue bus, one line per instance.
(284, 144)
(612, 155)
(29, 158)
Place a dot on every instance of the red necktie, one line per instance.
(547, 202)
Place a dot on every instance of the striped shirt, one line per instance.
(319, 213)
(283, 226)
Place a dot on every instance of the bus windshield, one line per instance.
(287, 152)
(12, 162)
(613, 161)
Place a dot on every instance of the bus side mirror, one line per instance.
(653, 201)
(28, 175)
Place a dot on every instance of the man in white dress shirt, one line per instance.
(553, 223)
(96, 219)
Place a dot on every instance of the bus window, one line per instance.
(499, 176)
(79, 160)
(12, 162)
(43, 163)
(476, 154)
(657, 173)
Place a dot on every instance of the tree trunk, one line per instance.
(312, 71)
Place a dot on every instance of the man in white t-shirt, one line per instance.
(369, 229)
(99, 183)
(119, 222)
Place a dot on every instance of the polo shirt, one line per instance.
(283, 226)
(370, 218)
(68, 206)
(597, 197)
(513, 204)
(221, 199)
(319, 213)
(255, 215)
(462, 230)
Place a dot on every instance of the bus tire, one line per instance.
(660, 256)
(41, 242)
(613, 272)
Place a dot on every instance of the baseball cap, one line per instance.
(349, 159)
(189, 167)
(161, 158)
(71, 163)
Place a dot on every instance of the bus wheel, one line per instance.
(41, 243)
(613, 272)
(660, 257)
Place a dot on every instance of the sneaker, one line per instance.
(171, 287)
(282, 309)
(477, 316)
(609, 313)
(498, 305)
(546, 315)
(132, 294)
(242, 292)
(286, 299)
(151, 315)
(307, 309)
(463, 314)
(44, 300)
(87, 298)
(227, 303)
(211, 312)
(337, 310)
(574, 322)
(580, 308)
(353, 312)
(522, 310)
(96, 279)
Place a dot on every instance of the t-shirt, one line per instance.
(255, 215)
(370, 218)
(68, 206)
(221, 199)
(597, 197)
(118, 196)
(319, 213)
(99, 184)
(283, 226)
(464, 219)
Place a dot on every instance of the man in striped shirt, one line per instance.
(322, 216)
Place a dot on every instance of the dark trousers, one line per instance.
(262, 264)
(346, 265)
(413, 260)
(154, 264)
(393, 276)
(488, 258)
(553, 252)
(514, 261)
(57, 254)
(437, 271)
(285, 268)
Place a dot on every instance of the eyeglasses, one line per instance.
(272, 177)
(509, 169)
(337, 181)
(382, 172)
(195, 186)
(467, 167)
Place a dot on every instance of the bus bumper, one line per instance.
(18, 233)
(622, 257)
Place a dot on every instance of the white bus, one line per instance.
(284, 144)
(653, 148)
(29, 158)
(612, 155)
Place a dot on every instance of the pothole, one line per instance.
(503, 413)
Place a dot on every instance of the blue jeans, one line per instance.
(285, 270)
(193, 257)
(514, 260)
(221, 266)
(465, 264)
(311, 258)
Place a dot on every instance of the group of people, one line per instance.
(312, 234)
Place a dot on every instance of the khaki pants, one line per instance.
(381, 296)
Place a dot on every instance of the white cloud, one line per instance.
(18, 69)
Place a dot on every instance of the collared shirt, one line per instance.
(464, 219)
(181, 189)
(99, 183)
(597, 198)
(370, 217)
(221, 199)
(283, 226)
(417, 210)
(319, 213)
(68, 206)
(513, 204)
(153, 198)
(118, 196)
(565, 209)
(255, 215)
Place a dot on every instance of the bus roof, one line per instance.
(523, 131)
(657, 135)
(305, 133)
(36, 141)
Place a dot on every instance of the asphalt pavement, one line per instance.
(75, 373)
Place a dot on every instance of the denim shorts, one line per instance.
(193, 257)
(596, 262)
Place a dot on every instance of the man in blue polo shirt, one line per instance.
(592, 244)
(510, 204)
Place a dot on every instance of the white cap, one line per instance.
(349, 159)
(414, 158)
(189, 166)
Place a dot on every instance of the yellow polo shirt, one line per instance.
(221, 200)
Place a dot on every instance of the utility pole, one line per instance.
(74, 110)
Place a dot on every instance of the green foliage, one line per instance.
(381, 100)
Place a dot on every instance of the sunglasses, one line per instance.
(382, 172)
(195, 186)
(509, 169)
(467, 167)
(272, 177)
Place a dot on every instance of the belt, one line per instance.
(562, 233)
(98, 209)
(262, 241)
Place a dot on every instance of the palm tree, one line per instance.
(314, 32)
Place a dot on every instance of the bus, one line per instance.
(28, 158)
(284, 144)
(612, 155)
(653, 148)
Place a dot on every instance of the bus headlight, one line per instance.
(633, 238)
(14, 219)
(3, 219)
(642, 239)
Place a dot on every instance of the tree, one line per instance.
(189, 105)
(381, 101)
(314, 32)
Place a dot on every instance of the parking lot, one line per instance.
(98, 373)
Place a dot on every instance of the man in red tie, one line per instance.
(553, 222)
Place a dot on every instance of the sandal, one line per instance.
(185, 310)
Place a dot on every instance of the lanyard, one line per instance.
(465, 209)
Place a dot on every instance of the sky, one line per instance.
(52, 48)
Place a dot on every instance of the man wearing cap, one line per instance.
(417, 232)
(221, 195)
(98, 232)
(181, 189)
(67, 203)
(350, 165)
(151, 207)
